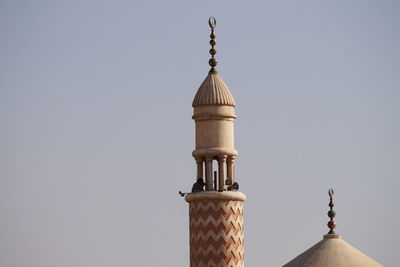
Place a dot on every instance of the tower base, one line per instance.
(216, 229)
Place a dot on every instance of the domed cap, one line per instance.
(213, 91)
(332, 251)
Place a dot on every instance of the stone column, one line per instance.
(199, 162)
(209, 174)
(221, 172)
(231, 168)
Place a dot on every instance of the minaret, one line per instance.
(332, 250)
(215, 204)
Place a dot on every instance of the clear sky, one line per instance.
(96, 130)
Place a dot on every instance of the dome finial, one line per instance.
(331, 213)
(212, 62)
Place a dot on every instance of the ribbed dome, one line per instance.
(332, 251)
(213, 91)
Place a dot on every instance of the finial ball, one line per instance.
(331, 224)
(331, 214)
(213, 62)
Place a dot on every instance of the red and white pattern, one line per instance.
(216, 233)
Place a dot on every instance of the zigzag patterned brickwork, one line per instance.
(216, 233)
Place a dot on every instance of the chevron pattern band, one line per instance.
(216, 233)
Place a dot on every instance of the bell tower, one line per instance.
(215, 204)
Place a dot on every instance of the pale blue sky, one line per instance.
(96, 130)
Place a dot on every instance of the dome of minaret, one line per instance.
(213, 91)
(332, 251)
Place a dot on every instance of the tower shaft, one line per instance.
(216, 229)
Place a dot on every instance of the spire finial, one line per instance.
(212, 62)
(331, 213)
